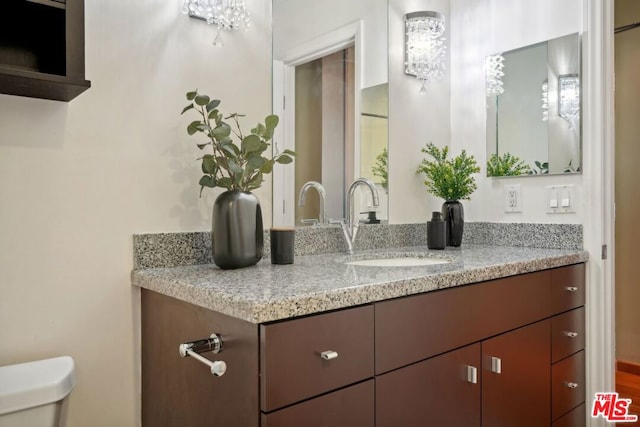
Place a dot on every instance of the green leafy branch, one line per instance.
(380, 168)
(228, 165)
(448, 179)
(506, 165)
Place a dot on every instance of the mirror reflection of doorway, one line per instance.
(325, 130)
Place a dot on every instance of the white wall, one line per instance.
(78, 179)
(414, 118)
(480, 28)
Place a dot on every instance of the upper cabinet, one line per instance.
(42, 49)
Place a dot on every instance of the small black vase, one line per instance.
(238, 235)
(454, 217)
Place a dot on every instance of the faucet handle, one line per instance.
(312, 221)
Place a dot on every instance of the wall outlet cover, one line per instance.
(512, 198)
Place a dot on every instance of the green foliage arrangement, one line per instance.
(540, 168)
(448, 179)
(506, 165)
(228, 165)
(380, 169)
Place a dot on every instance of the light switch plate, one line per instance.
(561, 199)
(512, 198)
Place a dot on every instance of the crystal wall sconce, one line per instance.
(545, 100)
(424, 48)
(569, 96)
(224, 14)
(493, 66)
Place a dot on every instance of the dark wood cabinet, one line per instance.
(444, 390)
(516, 377)
(42, 49)
(501, 353)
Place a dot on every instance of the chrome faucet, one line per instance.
(322, 215)
(351, 224)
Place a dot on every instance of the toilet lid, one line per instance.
(32, 384)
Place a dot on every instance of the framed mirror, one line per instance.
(330, 90)
(533, 109)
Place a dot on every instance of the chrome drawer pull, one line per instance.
(571, 334)
(572, 385)
(472, 374)
(329, 354)
(496, 365)
(571, 288)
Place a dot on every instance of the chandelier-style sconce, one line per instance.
(545, 100)
(225, 14)
(493, 65)
(425, 51)
(569, 97)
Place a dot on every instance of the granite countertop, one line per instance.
(317, 283)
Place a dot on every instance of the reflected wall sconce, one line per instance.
(225, 14)
(424, 48)
(493, 65)
(569, 96)
(545, 100)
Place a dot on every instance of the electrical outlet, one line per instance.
(512, 198)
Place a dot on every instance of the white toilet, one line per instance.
(36, 394)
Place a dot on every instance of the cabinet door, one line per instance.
(516, 377)
(440, 391)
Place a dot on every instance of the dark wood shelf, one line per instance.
(40, 85)
(42, 49)
(51, 3)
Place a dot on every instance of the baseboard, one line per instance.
(630, 367)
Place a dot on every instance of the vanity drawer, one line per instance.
(567, 288)
(291, 364)
(567, 334)
(576, 418)
(352, 406)
(567, 385)
(413, 328)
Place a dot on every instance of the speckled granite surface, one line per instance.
(558, 236)
(316, 283)
(176, 249)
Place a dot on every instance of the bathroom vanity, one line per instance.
(493, 337)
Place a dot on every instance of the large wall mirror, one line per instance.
(533, 109)
(330, 90)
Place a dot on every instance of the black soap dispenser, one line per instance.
(436, 232)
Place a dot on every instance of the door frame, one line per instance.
(599, 183)
(284, 192)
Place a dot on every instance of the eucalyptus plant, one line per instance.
(506, 165)
(229, 165)
(448, 179)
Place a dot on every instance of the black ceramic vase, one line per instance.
(454, 218)
(238, 236)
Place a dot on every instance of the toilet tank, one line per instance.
(35, 393)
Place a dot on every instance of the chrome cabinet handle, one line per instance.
(571, 288)
(571, 334)
(212, 344)
(496, 365)
(572, 385)
(329, 354)
(472, 374)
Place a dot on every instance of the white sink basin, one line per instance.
(399, 262)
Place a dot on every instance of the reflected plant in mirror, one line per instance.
(533, 108)
(380, 169)
(506, 165)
